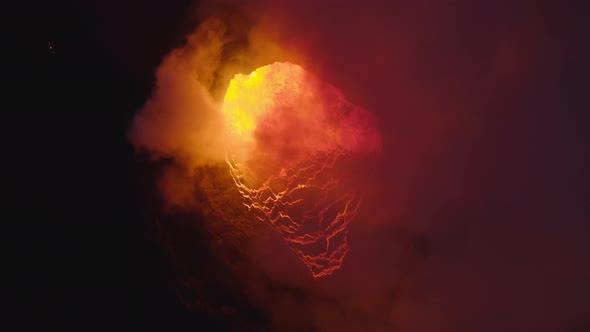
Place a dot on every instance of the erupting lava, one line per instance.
(292, 143)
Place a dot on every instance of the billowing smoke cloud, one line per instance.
(182, 120)
(469, 209)
(286, 135)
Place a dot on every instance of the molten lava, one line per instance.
(291, 141)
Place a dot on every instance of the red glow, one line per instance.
(289, 140)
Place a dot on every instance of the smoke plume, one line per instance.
(468, 210)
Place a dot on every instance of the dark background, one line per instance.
(82, 258)
(79, 239)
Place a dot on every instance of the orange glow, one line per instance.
(288, 139)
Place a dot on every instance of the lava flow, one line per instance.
(291, 145)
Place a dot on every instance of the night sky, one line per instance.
(478, 211)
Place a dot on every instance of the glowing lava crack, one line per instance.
(292, 143)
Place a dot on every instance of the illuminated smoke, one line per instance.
(293, 144)
(290, 139)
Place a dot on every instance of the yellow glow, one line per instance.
(250, 96)
(241, 104)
